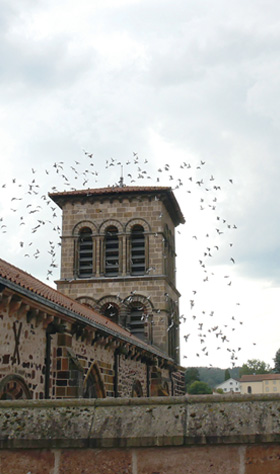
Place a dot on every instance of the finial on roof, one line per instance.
(121, 183)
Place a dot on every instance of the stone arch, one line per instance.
(137, 238)
(111, 247)
(88, 301)
(117, 307)
(137, 390)
(139, 298)
(14, 387)
(132, 222)
(84, 235)
(80, 225)
(139, 316)
(93, 383)
(110, 223)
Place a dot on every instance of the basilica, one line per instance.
(111, 329)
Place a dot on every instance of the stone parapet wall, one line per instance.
(138, 422)
(234, 434)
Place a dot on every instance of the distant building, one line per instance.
(229, 386)
(261, 383)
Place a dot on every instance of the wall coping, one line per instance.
(111, 401)
(138, 422)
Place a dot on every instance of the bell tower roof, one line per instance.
(165, 194)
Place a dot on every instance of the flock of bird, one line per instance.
(30, 215)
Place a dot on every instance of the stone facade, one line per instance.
(54, 347)
(123, 276)
(113, 328)
(260, 383)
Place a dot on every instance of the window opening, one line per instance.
(137, 321)
(111, 252)
(111, 311)
(137, 250)
(85, 253)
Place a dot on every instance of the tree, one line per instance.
(277, 362)
(227, 374)
(191, 375)
(254, 366)
(199, 388)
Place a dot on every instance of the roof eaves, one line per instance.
(72, 314)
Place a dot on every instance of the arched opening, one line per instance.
(85, 267)
(111, 311)
(137, 320)
(13, 387)
(137, 250)
(136, 389)
(249, 389)
(111, 251)
(93, 385)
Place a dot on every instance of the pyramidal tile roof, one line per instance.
(171, 201)
(25, 281)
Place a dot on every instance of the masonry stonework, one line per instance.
(120, 210)
(195, 434)
(112, 329)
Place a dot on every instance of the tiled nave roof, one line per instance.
(22, 280)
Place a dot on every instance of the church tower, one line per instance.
(118, 257)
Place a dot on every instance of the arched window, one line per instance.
(93, 385)
(137, 250)
(137, 320)
(13, 387)
(249, 389)
(111, 311)
(111, 251)
(85, 253)
(137, 389)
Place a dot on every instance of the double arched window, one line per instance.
(85, 251)
(111, 251)
(137, 250)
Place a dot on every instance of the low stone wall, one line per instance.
(194, 434)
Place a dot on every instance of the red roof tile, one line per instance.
(172, 202)
(112, 190)
(259, 377)
(28, 282)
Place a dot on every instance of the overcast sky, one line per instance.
(191, 82)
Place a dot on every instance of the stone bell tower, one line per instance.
(118, 256)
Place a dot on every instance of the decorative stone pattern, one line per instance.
(22, 357)
(82, 361)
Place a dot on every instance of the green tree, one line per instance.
(199, 388)
(220, 391)
(227, 374)
(277, 362)
(191, 375)
(254, 366)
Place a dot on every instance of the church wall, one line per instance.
(157, 291)
(22, 350)
(73, 356)
(131, 371)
